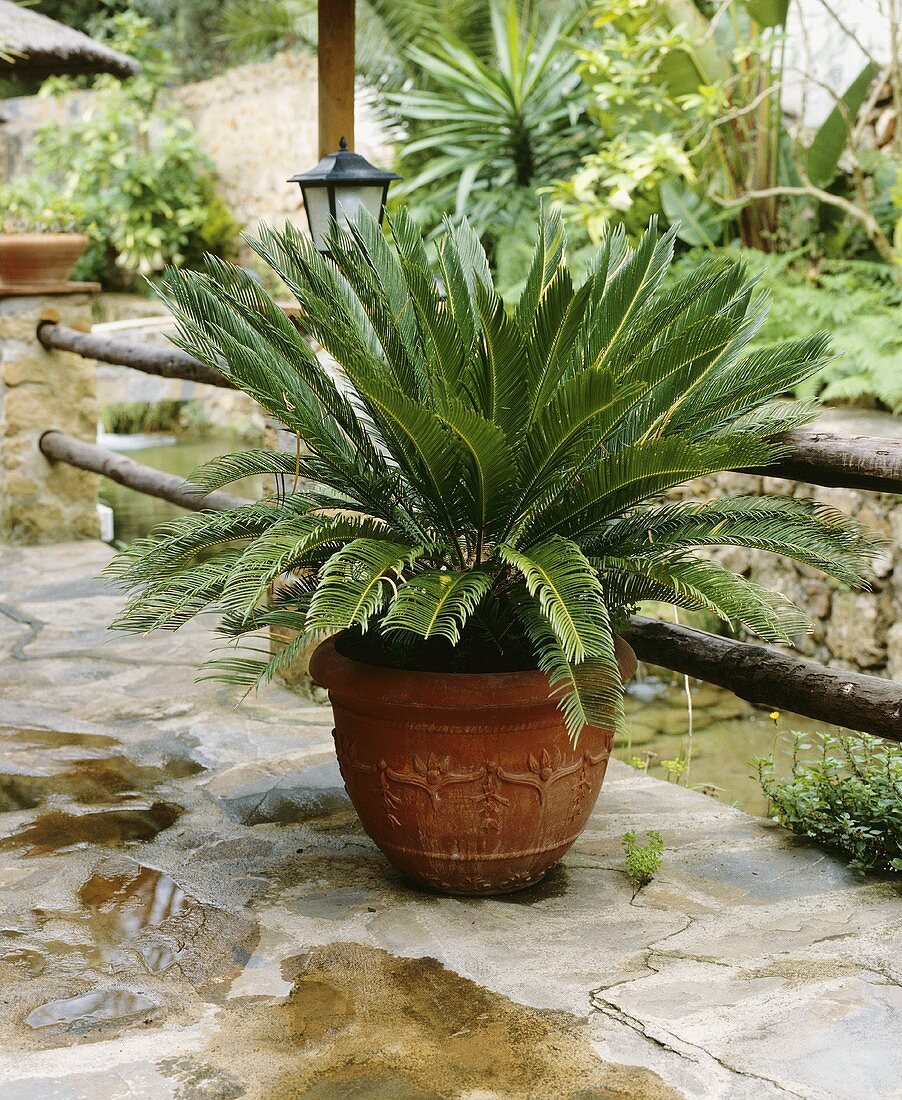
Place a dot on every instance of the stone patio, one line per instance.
(191, 911)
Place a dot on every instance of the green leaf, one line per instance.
(768, 13)
(355, 584)
(436, 604)
(834, 133)
(697, 220)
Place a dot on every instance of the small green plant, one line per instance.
(676, 768)
(849, 798)
(28, 207)
(643, 861)
(134, 418)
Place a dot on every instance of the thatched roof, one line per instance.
(35, 47)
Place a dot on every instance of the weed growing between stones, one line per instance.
(643, 861)
(849, 799)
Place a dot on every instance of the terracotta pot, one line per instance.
(39, 257)
(467, 782)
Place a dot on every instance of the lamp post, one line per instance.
(337, 188)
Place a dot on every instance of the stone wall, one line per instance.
(39, 390)
(258, 124)
(861, 631)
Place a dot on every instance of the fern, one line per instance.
(483, 487)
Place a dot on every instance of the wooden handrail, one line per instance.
(770, 678)
(60, 447)
(840, 461)
(165, 362)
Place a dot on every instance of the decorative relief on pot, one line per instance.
(433, 774)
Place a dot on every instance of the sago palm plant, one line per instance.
(481, 489)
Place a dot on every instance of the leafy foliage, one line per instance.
(687, 99)
(858, 302)
(485, 483)
(135, 168)
(850, 799)
(643, 861)
(484, 133)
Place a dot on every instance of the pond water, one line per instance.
(727, 736)
(135, 513)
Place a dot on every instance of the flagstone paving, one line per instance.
(189, 910)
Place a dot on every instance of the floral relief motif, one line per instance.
(433, 774)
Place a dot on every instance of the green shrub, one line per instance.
(490, 483)
(856, 301)
(643, 861)
(849, 798)
(135, 166)
(136, 418)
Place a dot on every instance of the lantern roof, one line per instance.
(343, 167)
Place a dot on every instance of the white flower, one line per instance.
(621, 199)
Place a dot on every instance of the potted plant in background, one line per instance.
(42, 236)
(479, 512)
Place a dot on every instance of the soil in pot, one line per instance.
(39, 257)
(466, 781)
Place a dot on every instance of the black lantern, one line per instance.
(338, 187)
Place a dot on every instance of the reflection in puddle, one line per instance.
(17, 793)
(123, 906)
(58, 829)
(112, 1004)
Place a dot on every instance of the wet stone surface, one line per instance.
(189, 910)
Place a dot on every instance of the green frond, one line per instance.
(560, 577)
(710, 587)
(297, 542)
(589, 693)
(436, 604)
(800, 529)
(356, 583)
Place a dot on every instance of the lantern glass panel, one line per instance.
(316, 202)
(349, 201)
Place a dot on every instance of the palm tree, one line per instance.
(484, 488)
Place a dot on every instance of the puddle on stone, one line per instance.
(33, 963)
(18, 793)
(57, 738)
(79, 767)
(361, 1022)
(59, 829)
(125, 905)
(90, 1008)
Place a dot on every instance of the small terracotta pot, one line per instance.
(466, 782)
(39, 257)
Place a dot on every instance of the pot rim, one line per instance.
(42, 238)
(456, 690)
